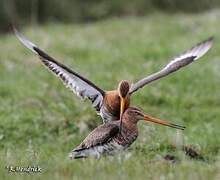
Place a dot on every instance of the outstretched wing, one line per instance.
(176, 63)
(81, 86)
(99, 135)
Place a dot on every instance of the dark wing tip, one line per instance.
(211, 38)
(208, 40)
(24, 41)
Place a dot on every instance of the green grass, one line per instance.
(41, 121)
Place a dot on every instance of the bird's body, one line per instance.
(113, 145)
(111, 104)
(110, 110)
(106, 139)
(111, 142)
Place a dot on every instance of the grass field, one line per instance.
(41, 121)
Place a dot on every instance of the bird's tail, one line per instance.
(77, 155)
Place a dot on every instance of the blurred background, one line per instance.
(67, 11)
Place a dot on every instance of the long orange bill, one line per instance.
(162, 122)
(122, 107)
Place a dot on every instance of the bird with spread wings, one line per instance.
(111, 104)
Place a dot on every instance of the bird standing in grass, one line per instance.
(107, 139)
(111, 104)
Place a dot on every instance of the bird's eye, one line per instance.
(136, 113)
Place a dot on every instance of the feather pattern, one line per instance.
(80, 86)
(99, 136)
(176, 63)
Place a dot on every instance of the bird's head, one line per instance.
(123, 91)
(123, 88)
(134, 114)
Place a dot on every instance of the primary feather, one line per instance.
(176, 63)
(81, 86)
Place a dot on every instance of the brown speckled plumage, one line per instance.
(106, 138)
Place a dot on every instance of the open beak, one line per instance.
(122, 107)
(162, 122)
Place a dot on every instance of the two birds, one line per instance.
(119, 128)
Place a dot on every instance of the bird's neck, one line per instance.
(128, 134)
(129, 124)
(112, 102)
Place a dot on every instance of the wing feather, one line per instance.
(99, 135)
(80, 86)
(176, 63)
